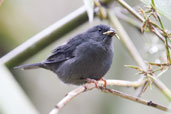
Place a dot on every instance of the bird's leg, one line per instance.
(89, 80)
(105, 83)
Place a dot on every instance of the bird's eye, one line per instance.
(99, 29)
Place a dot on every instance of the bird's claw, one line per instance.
(105, 83)
(96, 82)
(92, 81)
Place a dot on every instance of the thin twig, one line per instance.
(157, 33)
(131, 21)
(131, 10)
(122, 83)
(135, 99)
(162, 72)
(140, 18)
(167, 50)
(163, 88)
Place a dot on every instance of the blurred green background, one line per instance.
(22, 19)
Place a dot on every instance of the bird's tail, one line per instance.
(30, 66)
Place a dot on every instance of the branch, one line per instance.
(67, 98)
(115, 21)
(119, 13)
(45, 37)
(100, 85)
(163, 88)
(131, 10)
(135, 99)
(90, 86)
(140, 18)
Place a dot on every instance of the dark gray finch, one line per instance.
(86, 56)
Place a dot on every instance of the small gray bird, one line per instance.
(85, 56)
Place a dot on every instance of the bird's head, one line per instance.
(102, 33)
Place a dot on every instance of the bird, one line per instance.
(87, 55)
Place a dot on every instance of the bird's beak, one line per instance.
(116, 35)
(112, 33)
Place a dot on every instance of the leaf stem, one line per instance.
(164, 33)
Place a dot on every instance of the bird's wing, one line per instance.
(65, 52)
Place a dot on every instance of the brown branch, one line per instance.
(135, 99)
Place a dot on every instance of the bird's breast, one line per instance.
(93, 59)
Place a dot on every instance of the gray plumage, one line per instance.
(87, 55)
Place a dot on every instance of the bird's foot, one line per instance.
(105, 82)
(89, 80)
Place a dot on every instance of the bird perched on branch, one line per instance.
(86, 56)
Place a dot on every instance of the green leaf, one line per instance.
(134, 67)
(89, 4)
(162, 6)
